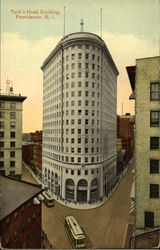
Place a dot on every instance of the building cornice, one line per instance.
(80, 38)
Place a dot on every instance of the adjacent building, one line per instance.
(125, 140)
(145, 83)
(79, 119)
(32, 151)
(11, 134)
(20, 214)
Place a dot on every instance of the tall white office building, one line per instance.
(79, 120)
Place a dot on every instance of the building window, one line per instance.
(154, 166)
(72, 140)
(79, 93)
(13, 105)
(79, 131)
(86, 65)
(155, 91)
(79, 111)
(72, 103)
(72, 112)
(12, 124)
(87, 56)
(79, 150)
(1, 124)
(86, 84)
(12, 163)
(12, 134)
(79, 102)
(92, 159)
(1, 114)
(2, 144)
(1, 134)
(86, 102)
(86, 172)
(1, 164)
(86, 121)
(92, 171)
(72, 121)
(86, 112)
(154, 142)
(155, 118)
(86, 93)
(86, 150)
(86, 159)
(72, 172)
(79, 172)
(149, 219)
(79, 121)
(86, 74)
(73, 56)
(1, 154)
(79, 74)
(12, 115)
(79, 55)
(73, 65)
(154, 191)
(72, 150)
(93, 57)
(1, 104)
(79, 65)
(86, 140)
(12, 144)
(79, 84)
(72, 131)
(86, 131)
(79, 140)
(66, 171)
(79, 159)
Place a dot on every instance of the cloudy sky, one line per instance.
(130, 31)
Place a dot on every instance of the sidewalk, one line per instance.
(32, 173)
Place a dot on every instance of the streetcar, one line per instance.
(48, 199)
(74, 232)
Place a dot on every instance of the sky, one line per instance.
(130, 29)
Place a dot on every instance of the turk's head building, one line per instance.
(79, 120)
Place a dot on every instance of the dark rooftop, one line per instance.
(16, 98)
(14, 193)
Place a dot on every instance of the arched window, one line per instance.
(82, 183)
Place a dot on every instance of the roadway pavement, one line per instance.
(104, 226)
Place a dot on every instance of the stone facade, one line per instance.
(147, 144)
(79, 119)
(11, 134)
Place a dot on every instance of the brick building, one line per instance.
(32, 151)
(27, 152)
(125, 140)
(20, 214)
(36, 136)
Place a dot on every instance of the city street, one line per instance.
(104, 227)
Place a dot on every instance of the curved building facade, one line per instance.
(79, 120)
